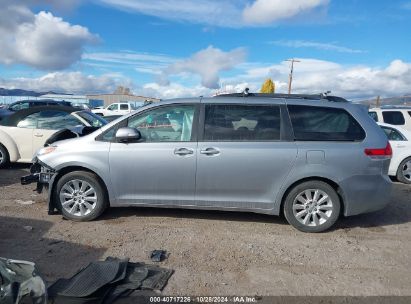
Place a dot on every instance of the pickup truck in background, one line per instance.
(120, 108)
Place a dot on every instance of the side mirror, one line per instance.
(127, 135)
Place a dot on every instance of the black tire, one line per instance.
(4, 156)
(404, 178)
(312, 210)
(99, 195)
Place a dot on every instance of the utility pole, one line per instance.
(290, 79)
(378, 103)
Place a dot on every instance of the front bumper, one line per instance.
(40, 174)
(44, 177)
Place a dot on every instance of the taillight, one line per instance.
(384, 152)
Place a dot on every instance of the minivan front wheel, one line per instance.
(80, 196)
(312, 206)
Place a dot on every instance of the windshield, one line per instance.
(93, 119)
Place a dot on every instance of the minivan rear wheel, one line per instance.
(80, 196)
(312, 206)
(404, 171)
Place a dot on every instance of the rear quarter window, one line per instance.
(324, 124)
(373, 115)
(393, 118)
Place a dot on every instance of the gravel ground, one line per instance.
(217, 253)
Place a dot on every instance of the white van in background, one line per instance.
(397, 116)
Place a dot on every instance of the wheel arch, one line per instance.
(65, 170)
(328, 181)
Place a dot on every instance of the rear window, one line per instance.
(393, 118)
(324, 124)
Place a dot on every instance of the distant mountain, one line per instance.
(19, 92)
(401, 100)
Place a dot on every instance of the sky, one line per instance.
(181, 48)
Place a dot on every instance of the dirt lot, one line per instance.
(217, 253)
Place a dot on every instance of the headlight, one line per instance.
(46, 150)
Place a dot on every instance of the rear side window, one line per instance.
(123, 106)
(393, 134)
(409, 112)
(373, 115)
(242, 123)
(324, 124)
(393, 118)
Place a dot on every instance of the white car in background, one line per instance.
(393, 115)
(26, 131)
(121, 108)
(400, 140)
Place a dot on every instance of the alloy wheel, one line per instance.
(78, 197)
(406, 170)
(312, 207)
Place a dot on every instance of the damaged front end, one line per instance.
(43, 176)
(40, 173)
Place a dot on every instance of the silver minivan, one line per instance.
(309, 158)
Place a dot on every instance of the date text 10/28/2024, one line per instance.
(205, 299)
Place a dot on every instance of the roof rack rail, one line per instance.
(325, 97)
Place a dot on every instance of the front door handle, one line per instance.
(183, 151)
(210, 151)
(38, 134)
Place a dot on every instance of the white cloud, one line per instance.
(207, 63)
(311, 76)
(39, 40)
(406, 5)
(173, 90)
(141, 62)
(316, 45)
(221, 13)
(224, 13)
(68, 82)
(268, 11)
(316, 76)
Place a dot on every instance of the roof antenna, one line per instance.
(246, 92)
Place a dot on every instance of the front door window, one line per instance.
(169, 123)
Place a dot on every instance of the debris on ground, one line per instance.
(28, 228)
(107, 281)
(25, 202)
(20, 279)
(54, 242)
(158, 255)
